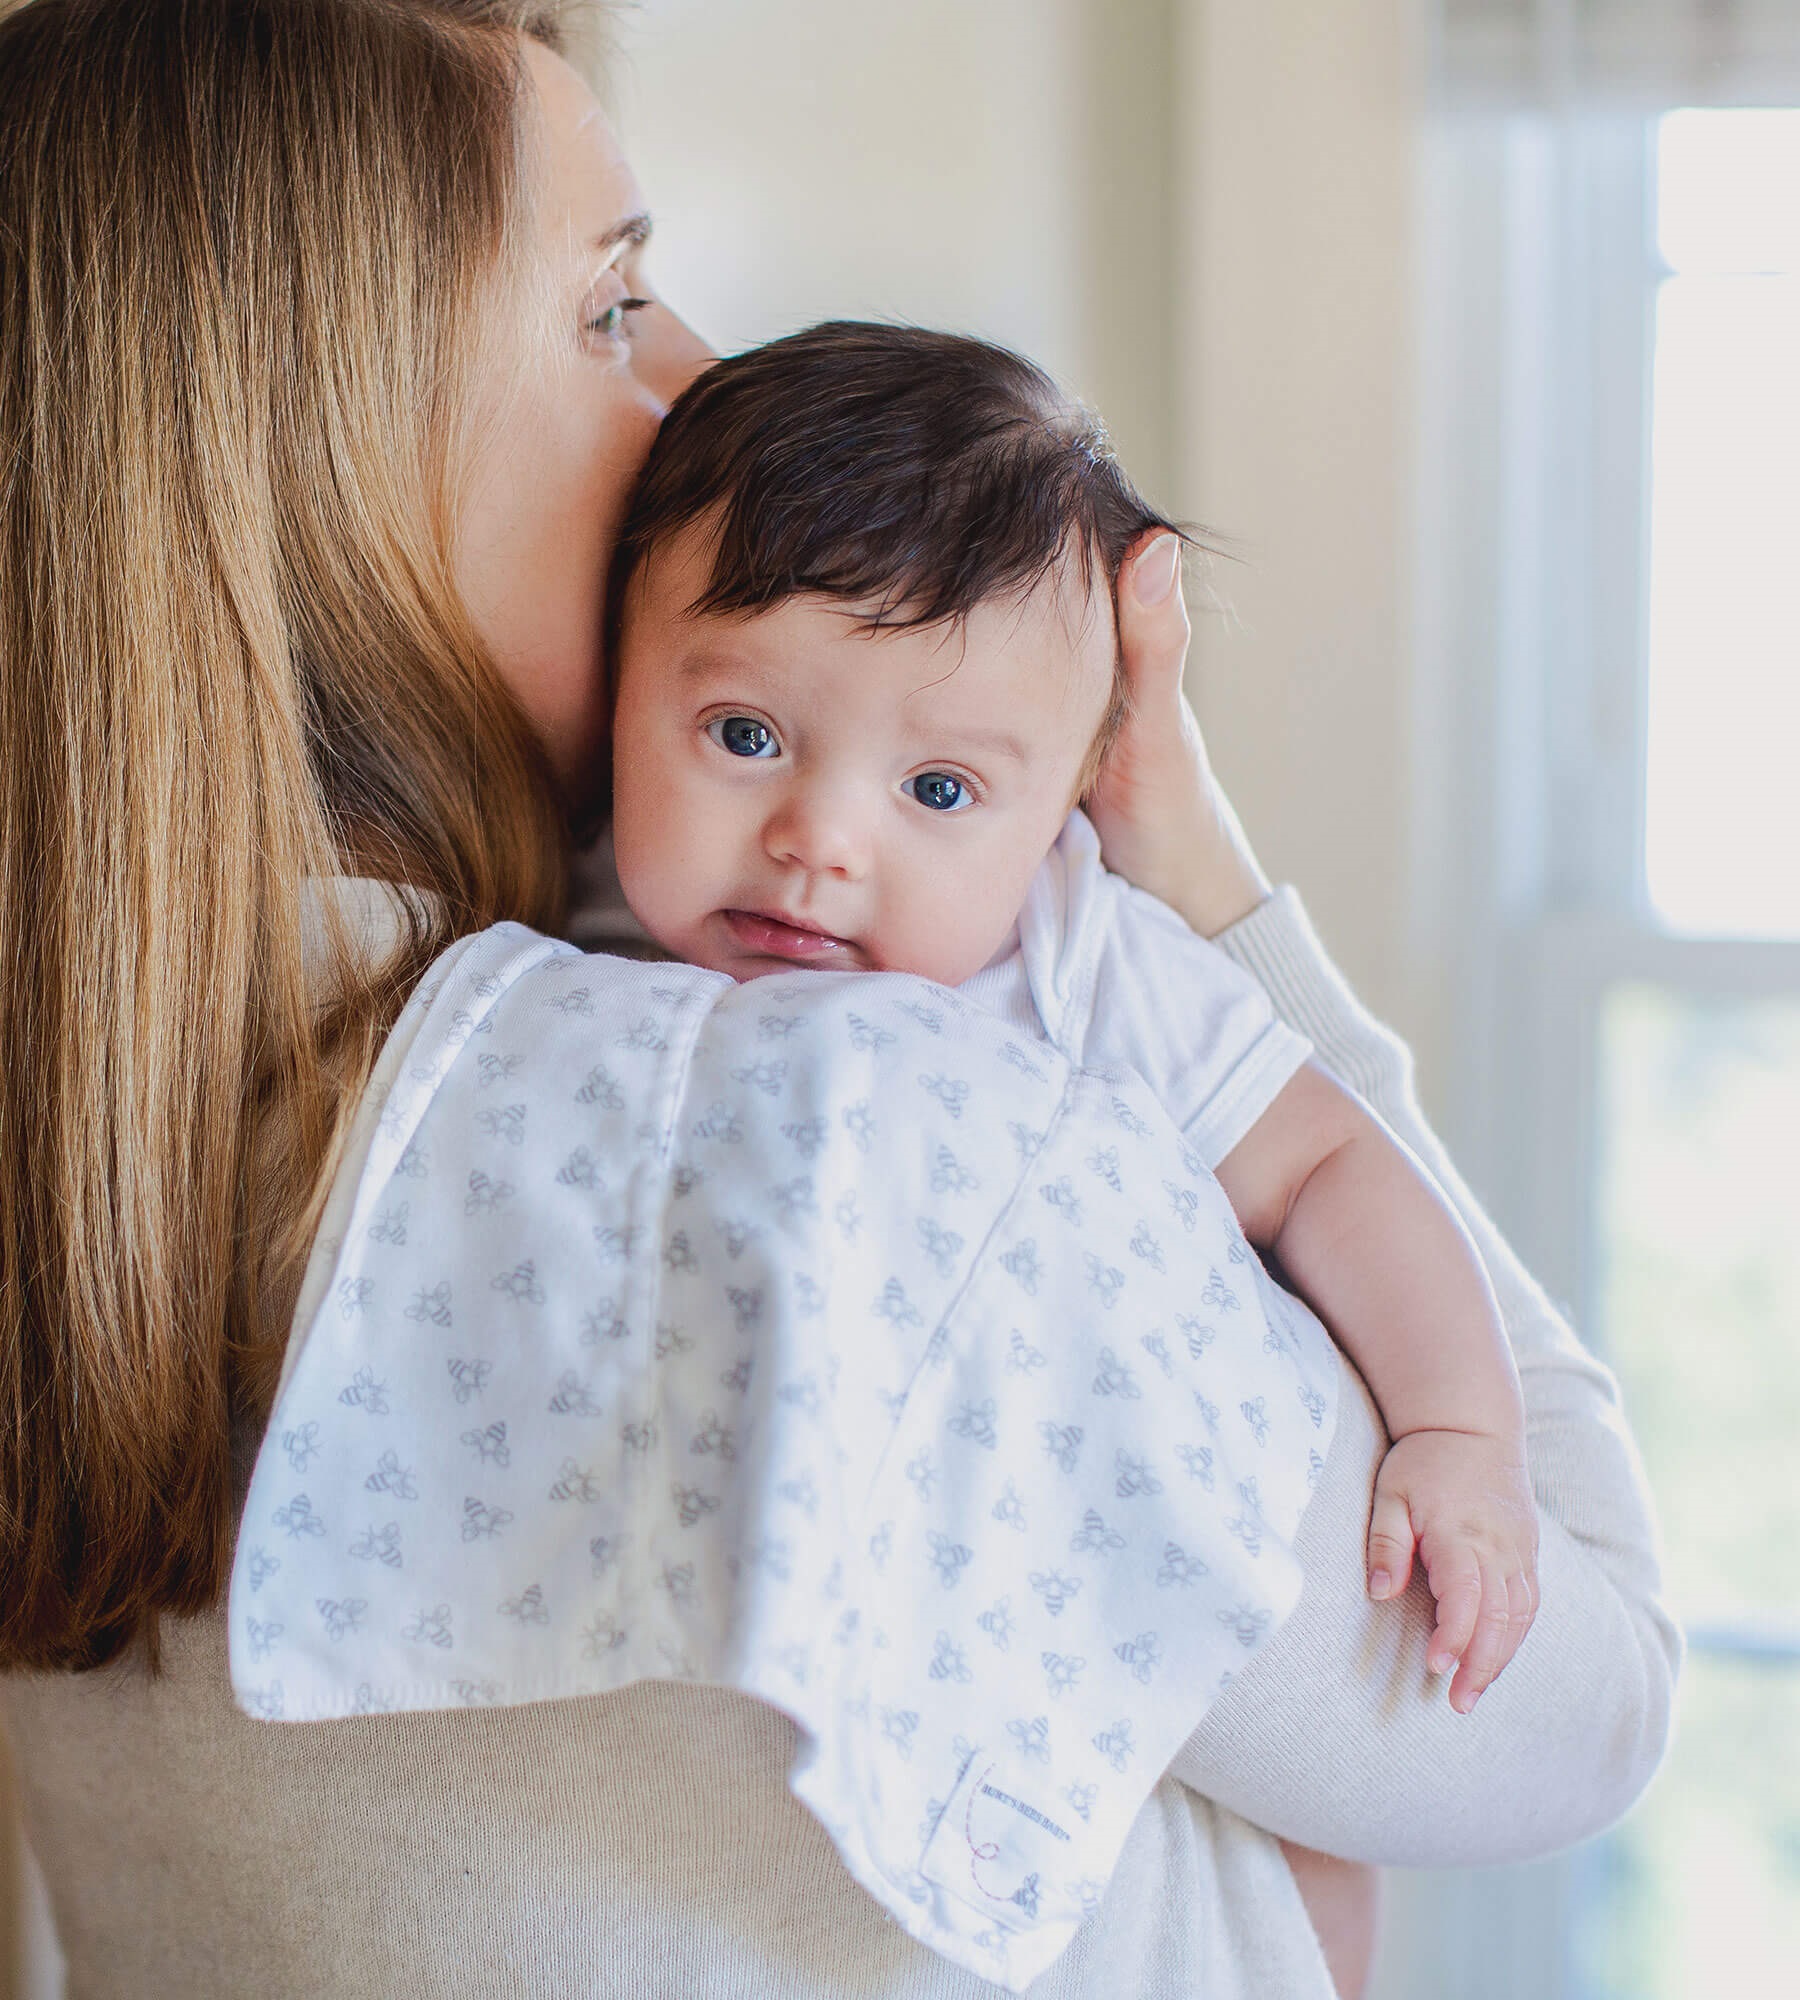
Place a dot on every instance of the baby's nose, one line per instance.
(820, 832)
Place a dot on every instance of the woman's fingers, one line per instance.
(1153, 620)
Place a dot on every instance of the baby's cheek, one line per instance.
(950, 933)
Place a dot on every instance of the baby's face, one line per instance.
(790, 790)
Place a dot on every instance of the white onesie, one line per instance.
(614, 1360)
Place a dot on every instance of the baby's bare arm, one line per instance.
(1363, 1234)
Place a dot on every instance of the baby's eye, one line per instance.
(743, 736)
(940, 791)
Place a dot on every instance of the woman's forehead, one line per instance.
(591, 205)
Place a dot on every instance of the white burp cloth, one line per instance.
(601, 1371)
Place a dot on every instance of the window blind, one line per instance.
(1651, 54)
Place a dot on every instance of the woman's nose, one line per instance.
(818, 832)
(677, 356)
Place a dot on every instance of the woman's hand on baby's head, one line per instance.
(1164, 822)
(1464, 1501)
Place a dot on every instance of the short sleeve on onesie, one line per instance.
(1113, 976)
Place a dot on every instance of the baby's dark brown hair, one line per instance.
(917, 473)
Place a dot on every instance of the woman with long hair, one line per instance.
(327, 357)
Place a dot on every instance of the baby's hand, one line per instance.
(1465, 1500)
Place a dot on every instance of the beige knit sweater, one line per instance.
(645, 1843)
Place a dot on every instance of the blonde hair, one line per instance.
(247, 248)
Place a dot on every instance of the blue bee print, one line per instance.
(431, 1307)
(639, 1436)
(677, 1580)
(1022, 1263)
(476, 1694)
(1062, 1442)
(949, 1091)
(262, 1567)
(614, 1243)
(1209, 1412)
(353, 1294)
(1179, 1569)
(1185, 1203)
(848, 1217)
(1129, 1119)
(415, 1163)
(486, 1195)
(1199, 1462)
(1009, 1509)
(746, 1302)
(1313, 1403)
(1060, 1194)
(1141, 1656)
(684, 1180)
(794, 1200)
(521, 1284)
(1103, 1164)
(807, 1136)
(573, 1398)
(1055, 1589)
(898, 1726)
(977, 1423)
(1115, 1379)
(1255, 1413)
(881, 1545)
(365, 1393)
(580, 1483)
(1218, 1296)
(1032, 1737)
(603, 1552)
(997, 1622)
(1061, 1672)
(928, 1018)
(263, 1637)
(342, 1615)
(1026, 1142)
(390, 1476)
(859, 1122)
(948, 1558)
(577, 1001)
(1094, 1537)
(1014, 1055)
(801, 1394)
(1115, 1744)
(779, 1027)
(949, 1662)
(604, 1322)
(720, 1124)
(506, 1124)
(602, 1636)
(893, 1304)
(1021, 1357)
(1199, 1337)
(1081, 1799)
(528, 1608)
(366, 1701)
(601, 1088)
(1145, 1246)
(489, 1444)
(801, 1493)
(468, 1378)
(671, 1340)
(645, 1036)
(949, 1175)
(713, 1438)
(482, 1522)
(767, 1077)
(1157, 1348)
(301, 1445)
(431, 1628)
(380, 1545)
(1247, 1623)
(942, 1246)
(866, 1038)
(678, 1253)
(736, 1378)
(773, 1553)
(265, 1703)
(390, 1225)
(490, 1070)
(1133, 1475)
(1246, 1524)
(297, 1519)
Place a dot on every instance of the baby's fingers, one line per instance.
(1455, 1578)
(1390, 1544)
(1494, 1642)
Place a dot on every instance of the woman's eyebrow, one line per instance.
(632, 233)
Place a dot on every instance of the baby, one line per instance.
(862, 627)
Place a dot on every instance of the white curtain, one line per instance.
(1650, 53)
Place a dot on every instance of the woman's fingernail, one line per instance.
(1380, 1583)
(1153, 574)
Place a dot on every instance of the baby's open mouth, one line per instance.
(770, 936)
